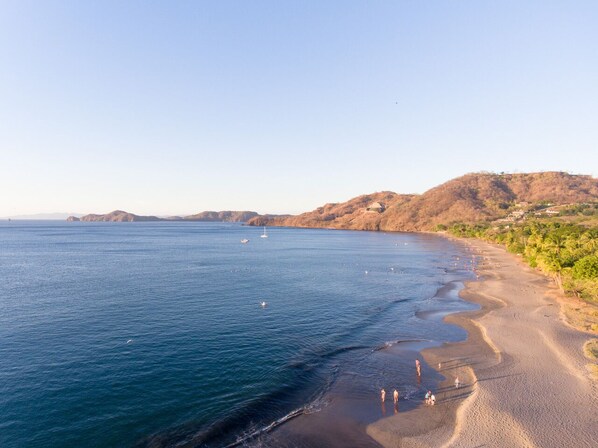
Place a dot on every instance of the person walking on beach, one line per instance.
(418, 367)
(395, 396)
(457, 383)
(382, 394)
(427, 397)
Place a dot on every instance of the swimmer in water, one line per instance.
(395, 396)
(382, 395)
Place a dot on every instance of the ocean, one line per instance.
(154, 335)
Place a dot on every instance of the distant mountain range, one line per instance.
(226, 216)
(476, 197)
(43, 216)
(122, 216)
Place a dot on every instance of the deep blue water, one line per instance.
(152, 334)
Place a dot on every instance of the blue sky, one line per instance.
(281, 106)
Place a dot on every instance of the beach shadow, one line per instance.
(458, 397)
(453, 388)
(498, 377)
(459, 363)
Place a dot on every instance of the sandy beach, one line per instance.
(525, 380)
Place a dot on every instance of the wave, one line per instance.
(242, 421)
(314, 357)
(389, 344)
(254, 433)
(410, 392)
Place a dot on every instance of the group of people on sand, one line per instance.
(430, 398)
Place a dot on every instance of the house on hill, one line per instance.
(514, 216)
(547, 212)
(376, 207)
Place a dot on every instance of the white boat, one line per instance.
(244, 240)
(264, 235)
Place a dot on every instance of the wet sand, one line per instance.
(350, 407)
(523, 373)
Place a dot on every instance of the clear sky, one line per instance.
(175, 107)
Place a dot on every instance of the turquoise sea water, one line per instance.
(152, 334)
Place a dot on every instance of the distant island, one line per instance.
(472, 198)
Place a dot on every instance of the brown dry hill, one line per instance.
(122, 216)
(225, 216)
(353, 214)
(117, 216)
(471, 198)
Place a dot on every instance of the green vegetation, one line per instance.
(591, 351)
(586, 209)
(567, 252)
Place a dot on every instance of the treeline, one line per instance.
(567, 252)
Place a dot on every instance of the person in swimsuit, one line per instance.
(382, 395)
(395, 396)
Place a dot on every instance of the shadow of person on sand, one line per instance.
(456, 397)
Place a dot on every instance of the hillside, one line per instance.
(115, 216)
(353, 214)
(226, 216)
(470, 198)
(122, 216)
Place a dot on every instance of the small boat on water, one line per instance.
(264, 235)
(244, 240)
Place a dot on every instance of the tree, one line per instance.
(586, 267)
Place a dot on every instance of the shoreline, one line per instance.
(499, 367)
(352, 401)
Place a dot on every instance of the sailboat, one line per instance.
(264, 235)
